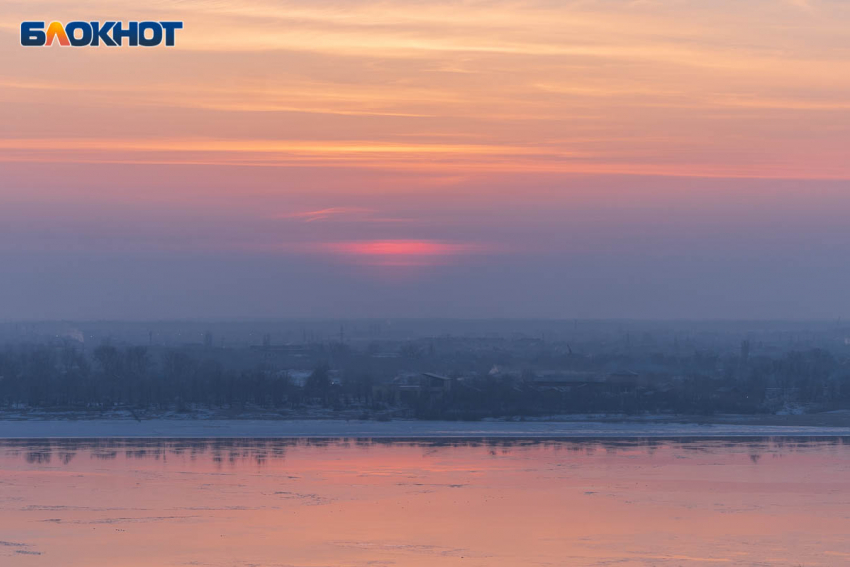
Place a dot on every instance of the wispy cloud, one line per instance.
(324, 214)
(804, 4)
(343, 214)
(615, 87)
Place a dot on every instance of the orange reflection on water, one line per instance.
(357, 503)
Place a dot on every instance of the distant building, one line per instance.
(436, 382)
(290, 349)
(589, 381)
(776, 399)
(409, 387)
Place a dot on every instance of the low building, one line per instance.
(589, 381)
(409, 387)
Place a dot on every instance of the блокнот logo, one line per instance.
(80, 33)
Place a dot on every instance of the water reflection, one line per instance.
(263, 450)
(424, 502)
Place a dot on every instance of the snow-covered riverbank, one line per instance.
(401, 429)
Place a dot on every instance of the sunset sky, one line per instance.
(609, 158)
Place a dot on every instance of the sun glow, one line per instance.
(402, 252)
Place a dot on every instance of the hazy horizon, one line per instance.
(336, 320)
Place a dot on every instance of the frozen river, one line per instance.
(428, 502)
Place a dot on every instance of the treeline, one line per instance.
(131, 377)
(183, 379)
(698, 384)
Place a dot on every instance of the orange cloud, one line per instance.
(437, 87)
